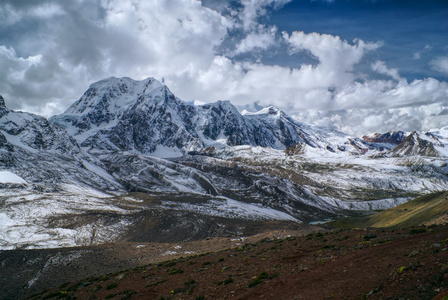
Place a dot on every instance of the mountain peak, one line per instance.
(112, 82)
(415, 144)
(3, 108)
(115, 87)
(224, 105)
(2, 102)
(270, 110)
(391, 137)
(114, 95)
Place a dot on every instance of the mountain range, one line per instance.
(131, 160)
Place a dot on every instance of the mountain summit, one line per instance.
(123, 114)
(120, 114)
(2, 102)
(3, 108)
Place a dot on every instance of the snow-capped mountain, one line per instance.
(33, 132)
(122, 114)
(431, 143)
(389, 138)
(130, 151)
(45, 154)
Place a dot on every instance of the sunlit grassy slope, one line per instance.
(413, 213)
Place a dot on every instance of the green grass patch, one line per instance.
(226, 281)
(260, 278)
(175, 271)
(157, 282)
(413, 213)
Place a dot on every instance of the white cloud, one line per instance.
(301, 88)
(118, 38)
(440, 64)
(253, 9)
(167, 36)
(52, 66)
(380, 67)
(261, 40)
(337, 57)
(380, 106)
(418, 55)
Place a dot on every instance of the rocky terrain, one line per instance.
(131, 175)
(26, 272)
(339, 264)
(392, 256)
(130, 151)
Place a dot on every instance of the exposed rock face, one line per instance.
(222, 121)
(33, 132)
(3, 108)
(4, 144)
(413, 145)
(295, 149)
(393, 137)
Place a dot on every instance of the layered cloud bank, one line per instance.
(206, 51)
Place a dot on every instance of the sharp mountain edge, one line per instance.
(129, 153)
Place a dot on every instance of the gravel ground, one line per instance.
(25, 272)
(353, 264)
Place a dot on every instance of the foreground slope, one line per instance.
(377, 264)
(398, 264)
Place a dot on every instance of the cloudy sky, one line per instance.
(359, 66)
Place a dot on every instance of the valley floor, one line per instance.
(407, 263)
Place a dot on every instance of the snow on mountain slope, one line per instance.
(347, 181)
(390, 139)
(416, 144)
(45, 156)
(34, 133)
(9, 177)
(221, 123)
(29, 219)
(275, 126)
(129, 153)
(126, 115)
(441, 136)
(432, 143)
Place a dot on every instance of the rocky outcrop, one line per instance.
(413, 144)
(392, 137)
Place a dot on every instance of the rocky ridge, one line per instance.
(122, 114)
(124, 137)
